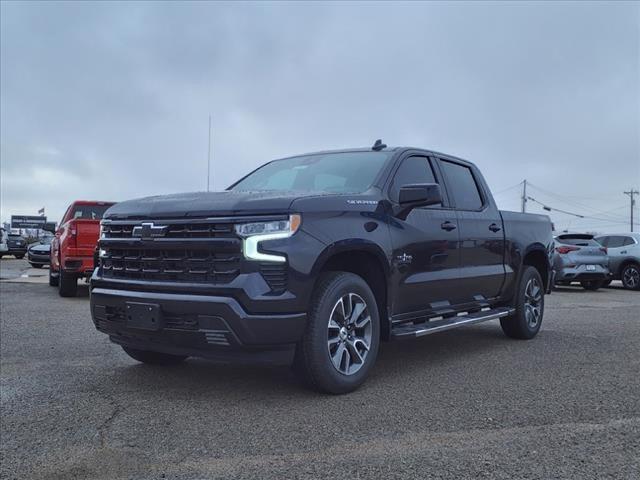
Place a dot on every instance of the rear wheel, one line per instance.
(341, 341)
(67, 284)
(631, 277)
(525, 322)
(592, 284)
(36, 265)
(153, 358)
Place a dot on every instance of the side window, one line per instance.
(628, 241)
(602, 241)
(412, 170)
(615, 242)
(461, 183)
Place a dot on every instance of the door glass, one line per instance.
(628, 241)
(412, 170)
(615, 242)
(463, 186)
(602, 241)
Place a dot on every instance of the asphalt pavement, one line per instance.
(468, 403)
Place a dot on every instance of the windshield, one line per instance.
(346, 172)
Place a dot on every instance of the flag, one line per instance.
(41, 211)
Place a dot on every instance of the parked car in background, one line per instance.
(624, 258)
(4, 249)
(16, 246)
(73, 245)
(39, 253)
(579, 258)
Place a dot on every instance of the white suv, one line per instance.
(624, 257)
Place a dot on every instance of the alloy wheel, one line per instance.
(533, 303)
(631, 277)
(349, 333)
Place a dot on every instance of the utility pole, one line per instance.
(631, 194)
(524, 196)
(209, 155)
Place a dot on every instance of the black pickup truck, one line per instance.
(315, 259)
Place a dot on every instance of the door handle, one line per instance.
(624, 252)
(448, 226)
(494, 228)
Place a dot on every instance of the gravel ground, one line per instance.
(468, 403)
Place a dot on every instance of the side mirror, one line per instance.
(417, 195)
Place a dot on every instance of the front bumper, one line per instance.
(215, 327)
(581, 273)
(17, 251)
(39, 258)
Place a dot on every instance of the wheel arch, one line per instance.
(538, 258)
(367, 261)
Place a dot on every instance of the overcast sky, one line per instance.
(111, 101)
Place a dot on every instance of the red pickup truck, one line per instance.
(73, 245)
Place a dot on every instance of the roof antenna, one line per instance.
(378, 146)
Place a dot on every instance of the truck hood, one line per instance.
(203, 204)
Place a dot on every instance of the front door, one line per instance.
(425, 248)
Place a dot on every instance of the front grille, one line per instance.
(179, 230)
(196, 252)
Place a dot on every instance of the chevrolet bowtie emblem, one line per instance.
(149, 230)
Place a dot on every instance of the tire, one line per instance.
(153, 358)
(19, 257)
(67, 284)
(35, 265)
(327, 356)
(53, 279)
(525, 322)
(592, 285)
(630, 276)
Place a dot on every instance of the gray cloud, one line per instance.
(110, 101)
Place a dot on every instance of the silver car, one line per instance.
(624, 257)
(579, 258)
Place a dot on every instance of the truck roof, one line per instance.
(386, 149)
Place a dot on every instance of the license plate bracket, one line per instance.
(144, 316)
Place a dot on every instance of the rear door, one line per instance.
(482, 269)
(425, 246)
(618, 249)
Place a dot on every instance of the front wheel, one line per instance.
(631, 277)
(525, 322)
(340, 344)
(153, 358)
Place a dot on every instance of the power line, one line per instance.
(507, 189)
(591, 212)
(579, 215)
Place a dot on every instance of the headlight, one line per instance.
(256, 232)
